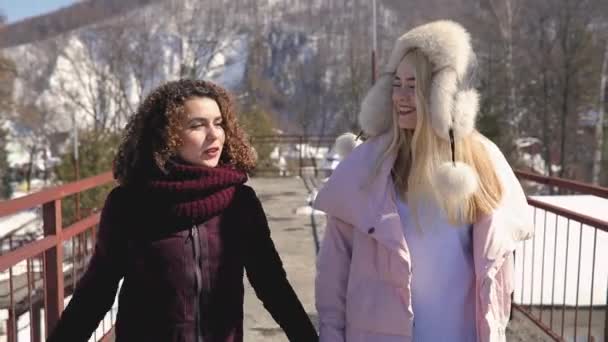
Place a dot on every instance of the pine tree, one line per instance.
(96, 152)
(5, 180)
(7, 79)
(257, 122)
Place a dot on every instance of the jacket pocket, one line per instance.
(392, 267)
(371, 258)
(374, 305)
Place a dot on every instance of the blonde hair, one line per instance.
(420, 153)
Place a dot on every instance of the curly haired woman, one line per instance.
(180, 230)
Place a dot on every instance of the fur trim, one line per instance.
(466, 107)
(451, 107)
(448, 47)
(376, 112)
(443, 87)
(345, 143)
(444, 42)
(456, 182)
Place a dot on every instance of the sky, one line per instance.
(16, 10)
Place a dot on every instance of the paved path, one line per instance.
(292, 235)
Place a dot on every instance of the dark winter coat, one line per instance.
(177, 274)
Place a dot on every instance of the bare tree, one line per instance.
(32, 124)
(85, 81)
(357, 78)
(32, 135)
(8, 73)
(204, 31)
(572, 25)
(258, 89)
(599, 127)
(504, 13)
(537, 45)
(33, 118)
(135, 59)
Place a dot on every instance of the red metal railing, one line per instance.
(39, 276)
(561, 273)
(36, 276)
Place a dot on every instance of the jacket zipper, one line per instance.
(197, 282)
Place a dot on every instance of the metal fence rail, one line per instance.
(36, 276)
(561, 273)
(561, 280)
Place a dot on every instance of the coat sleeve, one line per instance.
(333, 266)
(513, 210)
(269, 280)
(96, 290)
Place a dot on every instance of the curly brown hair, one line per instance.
(152, 134)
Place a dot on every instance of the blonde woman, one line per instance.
(424, 216)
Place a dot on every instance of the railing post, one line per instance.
(300, 155)
(606, 318)
(11, 325)
(53, 265)
(36, 323)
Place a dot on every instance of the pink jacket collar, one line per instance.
(369, 204)
(364, 202)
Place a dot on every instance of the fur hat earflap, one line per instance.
(452, 106)
(376, 112)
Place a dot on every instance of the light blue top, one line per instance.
(443, 280)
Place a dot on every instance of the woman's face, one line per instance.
(404, 95)
(202, 132)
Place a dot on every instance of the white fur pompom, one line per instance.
(345, 143)
(376, 112)
(456, 183)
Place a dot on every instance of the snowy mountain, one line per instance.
(307, 62)
(100, 71)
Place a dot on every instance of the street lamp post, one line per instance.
(374, 48)
(76, 163)
(374, 41)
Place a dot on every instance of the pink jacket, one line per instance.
(363, 268)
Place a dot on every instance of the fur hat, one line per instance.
(453, 103)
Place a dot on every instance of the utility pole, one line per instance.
(76, 162)
(374, 41)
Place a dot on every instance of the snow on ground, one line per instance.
(307, 211)
(23, 322)
(28, 221)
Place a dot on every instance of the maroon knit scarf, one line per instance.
(193, 193)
